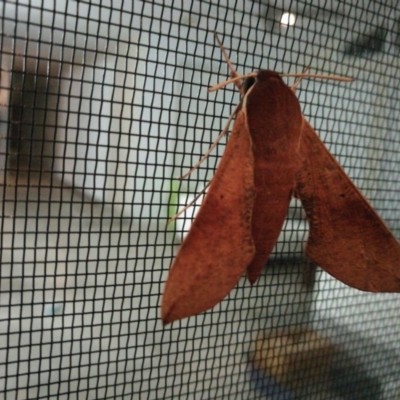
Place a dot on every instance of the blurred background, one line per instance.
(103, 106)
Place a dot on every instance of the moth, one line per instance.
(273, 154)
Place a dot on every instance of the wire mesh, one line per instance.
(103, 105)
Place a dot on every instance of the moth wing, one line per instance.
(347, 238)
(219, 245)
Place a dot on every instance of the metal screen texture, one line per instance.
(103, 106)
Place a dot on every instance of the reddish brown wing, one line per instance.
(347, 238)
(219, 246)
(275, 124)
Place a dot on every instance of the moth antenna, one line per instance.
(232, 80)
(299, 79)
(319, 76)
(216, 141)
(234, 73)
(180, 212)
(300, 75)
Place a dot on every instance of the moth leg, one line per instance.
(180, 212)
(216, 141)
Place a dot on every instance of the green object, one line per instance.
(173, 203)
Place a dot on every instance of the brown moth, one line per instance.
(273, 154)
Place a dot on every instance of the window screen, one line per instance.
(103, 106)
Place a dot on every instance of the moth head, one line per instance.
(248, 83)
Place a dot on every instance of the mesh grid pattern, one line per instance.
(103, 105)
